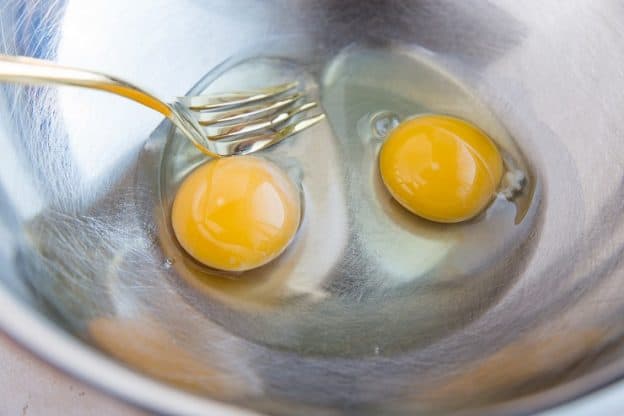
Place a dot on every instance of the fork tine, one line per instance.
(246, 128)
(248, 144)
(232, 100)
(246, 113)
(304, 124)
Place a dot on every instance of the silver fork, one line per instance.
(219, 125)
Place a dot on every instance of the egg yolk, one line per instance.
(236, 213)
(440, 168)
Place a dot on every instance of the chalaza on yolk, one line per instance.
(440, 168)
(236, 213)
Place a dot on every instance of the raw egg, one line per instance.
(440, 168)
(236, 213)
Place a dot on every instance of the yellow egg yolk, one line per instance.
(236, 213)
(440, 168)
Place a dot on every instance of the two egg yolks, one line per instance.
(239, 213)
(236, 213)
(440, 168)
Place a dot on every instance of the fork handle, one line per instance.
(26, 70)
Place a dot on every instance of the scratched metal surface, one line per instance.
(84, 283)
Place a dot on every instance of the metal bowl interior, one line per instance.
(86, 281)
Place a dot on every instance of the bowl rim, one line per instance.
(88, 365)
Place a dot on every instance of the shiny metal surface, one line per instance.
(86, 283)
(242, 134)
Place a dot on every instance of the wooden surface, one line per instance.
(29, 387)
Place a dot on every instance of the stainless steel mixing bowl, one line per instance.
(87, 285)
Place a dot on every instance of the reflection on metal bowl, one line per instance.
(94, 282)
